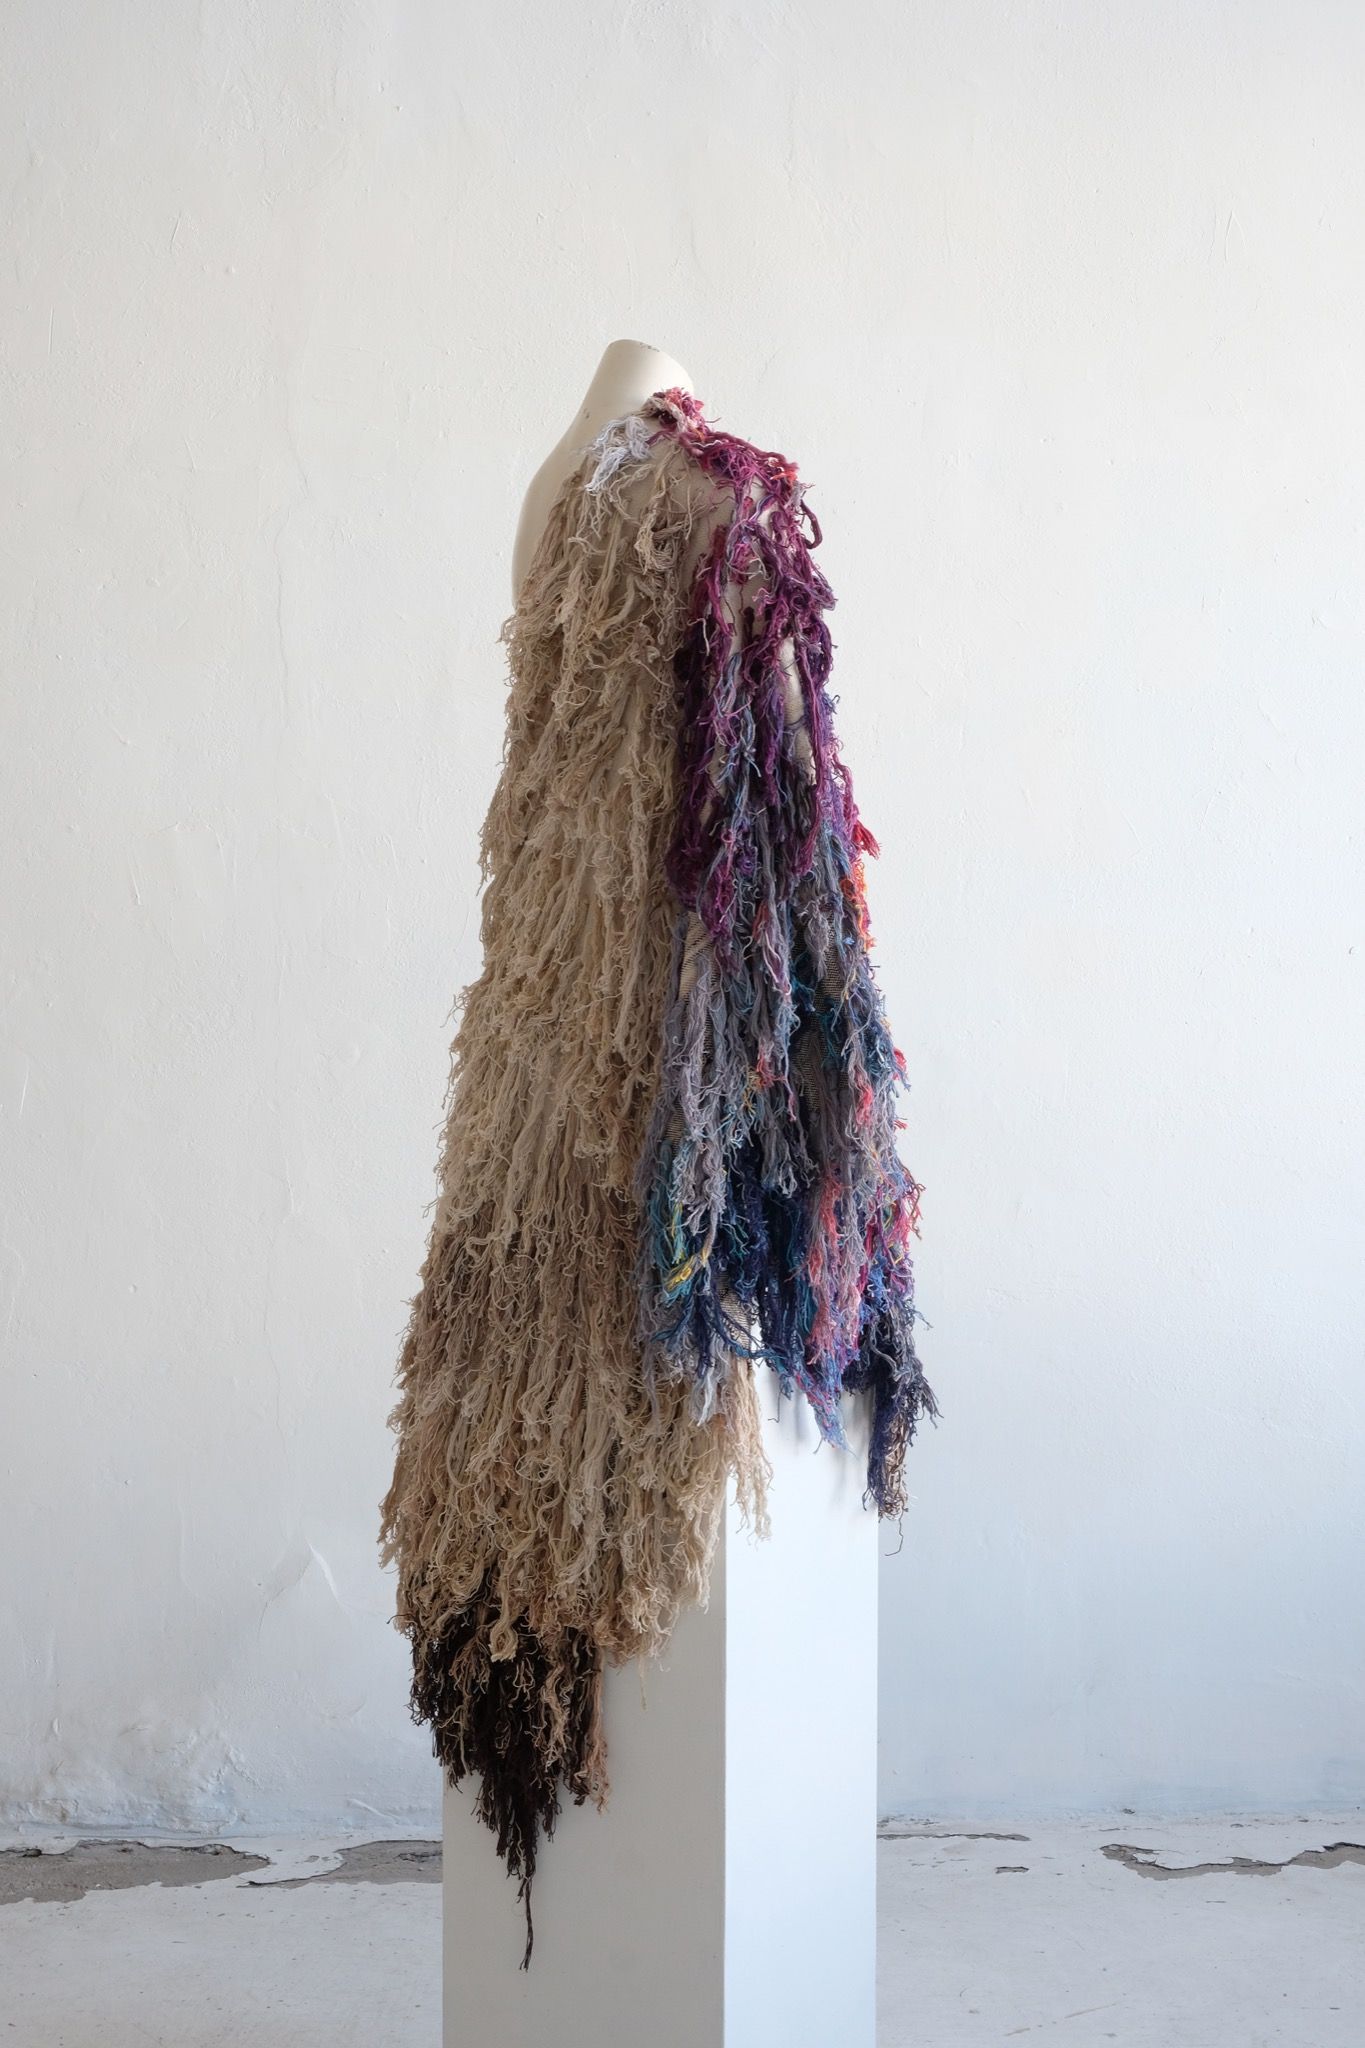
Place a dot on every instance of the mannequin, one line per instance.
(669, 1916)
(628, 374)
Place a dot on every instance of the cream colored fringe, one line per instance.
(537, 1459)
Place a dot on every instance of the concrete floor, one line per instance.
(1211, 1934)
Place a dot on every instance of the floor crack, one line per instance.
(1330, 1857)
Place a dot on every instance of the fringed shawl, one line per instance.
(670, 1142)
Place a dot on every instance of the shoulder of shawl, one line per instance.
(726, 458)
(758, 497)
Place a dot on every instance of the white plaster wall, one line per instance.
(1060, 308)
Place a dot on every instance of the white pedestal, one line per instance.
(727, 1896)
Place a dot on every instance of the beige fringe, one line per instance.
(538, 1471)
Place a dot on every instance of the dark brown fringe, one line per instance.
(527, 1726)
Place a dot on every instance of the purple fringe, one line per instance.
(779, 1214)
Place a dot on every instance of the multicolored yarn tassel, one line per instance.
(772, 1184)
(669, 1150)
